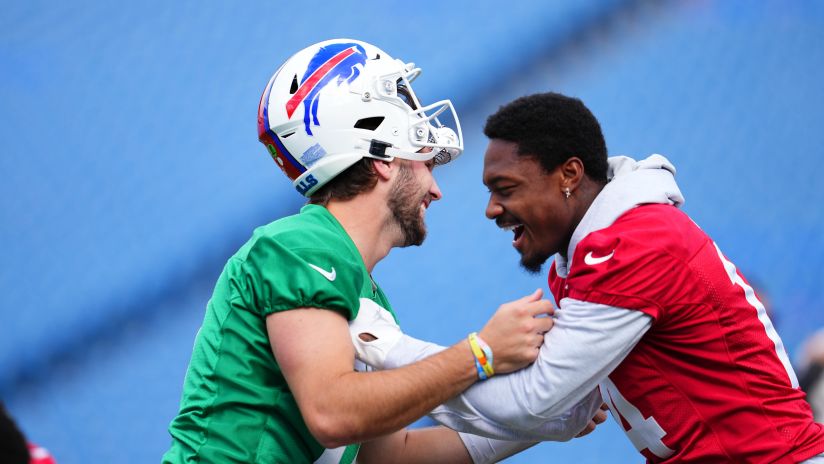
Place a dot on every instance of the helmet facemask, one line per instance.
(425, 129)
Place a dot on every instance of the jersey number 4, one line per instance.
(644, 432)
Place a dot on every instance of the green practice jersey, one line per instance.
(236, 405)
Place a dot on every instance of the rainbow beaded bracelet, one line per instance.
(483, 356)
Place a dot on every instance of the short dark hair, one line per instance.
(552, 128)
(356, 179)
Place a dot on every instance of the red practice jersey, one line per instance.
(710, 380)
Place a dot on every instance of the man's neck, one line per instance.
(364, 218)
(585, 196)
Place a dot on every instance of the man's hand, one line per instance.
(599, 418)
(515, 332)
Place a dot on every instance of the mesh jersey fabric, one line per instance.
(236, 405)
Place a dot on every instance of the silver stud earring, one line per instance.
(567, 193)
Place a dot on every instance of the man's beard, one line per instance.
(533, 264)
(533, 260)
(405, 204)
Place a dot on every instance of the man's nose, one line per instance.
(435, 191)
(493, 209)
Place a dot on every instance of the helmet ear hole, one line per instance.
(294, 86)
(369, 123)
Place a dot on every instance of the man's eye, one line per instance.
(503, 191)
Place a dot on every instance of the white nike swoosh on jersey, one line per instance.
(592, 260)
(330, 275)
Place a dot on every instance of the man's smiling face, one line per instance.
(526, 199)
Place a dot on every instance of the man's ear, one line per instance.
(572, 172)
(383, 169)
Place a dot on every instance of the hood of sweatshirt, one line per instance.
(631, 183)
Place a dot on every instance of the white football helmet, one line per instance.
(338, 101)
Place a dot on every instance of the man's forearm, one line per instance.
(437, 444)
(377, 403)
(489, 450)
(341, 406)
(468, 413)
(430, 444)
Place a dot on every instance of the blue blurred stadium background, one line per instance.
(131, 171)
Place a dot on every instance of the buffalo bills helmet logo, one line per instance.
(338, 62)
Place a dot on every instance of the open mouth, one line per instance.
(517, 230)
(424, 206)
